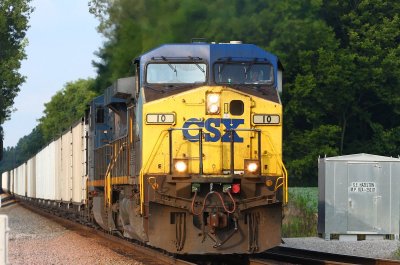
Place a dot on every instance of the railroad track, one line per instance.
(149, 256)
(285, 255)
(120, 245)
(7, 200)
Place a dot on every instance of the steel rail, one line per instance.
(151, 256)
(301, 256)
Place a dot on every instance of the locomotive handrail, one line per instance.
(145, 168)
(170, 130)
(285, 174)
(232, 169)
(231, 131)
(107, 184)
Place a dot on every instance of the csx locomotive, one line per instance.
(185, 156)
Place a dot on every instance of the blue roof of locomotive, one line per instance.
(211, 53)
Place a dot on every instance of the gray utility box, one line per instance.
(358, 194)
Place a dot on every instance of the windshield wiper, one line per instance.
(170, 66)
(250, 66)
(201, 69)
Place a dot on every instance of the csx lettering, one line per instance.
(211, 125)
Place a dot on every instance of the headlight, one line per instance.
(180, 166)
(213, 103)
(251, 167)
(213, 98)
(213, 109)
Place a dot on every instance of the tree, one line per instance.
(341, 59)
(14, 15)
(353, 85)
(1, 143)
(66, 107)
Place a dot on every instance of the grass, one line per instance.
(396, 254)
(301, 214)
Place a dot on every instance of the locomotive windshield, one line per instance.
(176, 73)
(243, 73)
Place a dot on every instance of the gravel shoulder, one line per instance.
(384, 249)
(34, 239)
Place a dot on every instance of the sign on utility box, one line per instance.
(4, 239)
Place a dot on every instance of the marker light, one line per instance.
(213, 103)
(232, 188)
(236, 188)
(180, 166)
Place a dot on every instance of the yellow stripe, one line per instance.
(120, 180)
(96, 183)
(114, 180)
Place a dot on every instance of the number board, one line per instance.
(266, 119)
(160, 118)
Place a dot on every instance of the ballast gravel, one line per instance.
(33, 239)
(384, 249)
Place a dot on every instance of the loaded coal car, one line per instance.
(187, 155)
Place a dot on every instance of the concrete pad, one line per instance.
(347, 237)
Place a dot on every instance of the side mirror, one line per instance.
(280, 89)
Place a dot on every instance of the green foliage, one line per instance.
(341, 58)
(66, 107)
(301, 213)
(309, 145)
(396, 254)
(350, 83)
(14, 16)
(26, 147)
(1, 143)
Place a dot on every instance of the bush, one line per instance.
(301, 213)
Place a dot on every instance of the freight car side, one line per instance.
(20, 180)
(5, 180)
(56, 175)
(31, 177)
(61, 168)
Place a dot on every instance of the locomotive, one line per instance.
(185, 156)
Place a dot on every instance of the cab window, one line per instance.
(176, 73)
(243, 73)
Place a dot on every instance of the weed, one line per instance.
(396, 254)
(301, 213)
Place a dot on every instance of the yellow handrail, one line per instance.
(284, 173)
(145, 168)
(107, 186)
